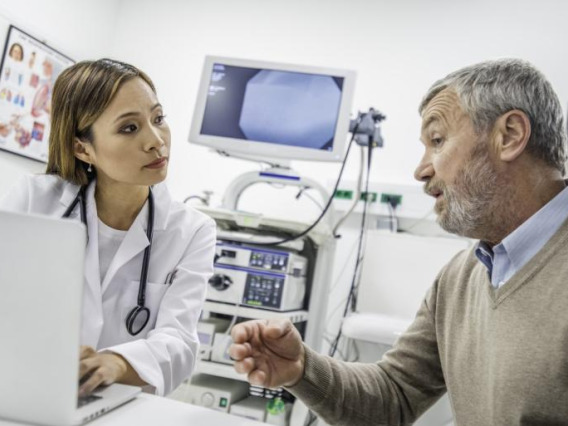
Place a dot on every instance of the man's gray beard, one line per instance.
(469, 201)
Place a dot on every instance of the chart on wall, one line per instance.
(27, 74)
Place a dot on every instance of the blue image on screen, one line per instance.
(290, 108)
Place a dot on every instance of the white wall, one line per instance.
(79, 29)
(397, 48)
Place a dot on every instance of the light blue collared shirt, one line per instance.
(509, 256)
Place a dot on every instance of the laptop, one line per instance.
(41, 285)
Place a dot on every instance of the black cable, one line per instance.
(326, 208)
(305, 189)
(363, 226)
(392, 216)
(391, 219)
(395, 216)
(311, 418)
(352, 297)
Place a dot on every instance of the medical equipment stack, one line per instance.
(257, 281)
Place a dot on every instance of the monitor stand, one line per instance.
(279, 174)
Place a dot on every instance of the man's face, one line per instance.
(456, 167)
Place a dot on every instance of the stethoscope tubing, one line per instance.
(147, 250)
(140, 308)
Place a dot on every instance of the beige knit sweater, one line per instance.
(502, 355)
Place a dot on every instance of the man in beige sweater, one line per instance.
(493, 329)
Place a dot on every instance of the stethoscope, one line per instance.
(140, 310)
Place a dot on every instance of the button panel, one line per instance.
(269, 260)
(263, 290)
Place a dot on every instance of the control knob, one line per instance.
(207, 399)
(220, 282)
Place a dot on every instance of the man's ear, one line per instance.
(83, 151)
(511, 134)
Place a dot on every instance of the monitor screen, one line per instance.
(269, 110)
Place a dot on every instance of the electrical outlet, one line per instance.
(392, 199)
(413, 202)
(370, 196)
(344, 194)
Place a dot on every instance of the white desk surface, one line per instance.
(151, 410)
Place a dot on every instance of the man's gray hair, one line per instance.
(489, 89)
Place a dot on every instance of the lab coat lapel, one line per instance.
(92, 296)
(69, 194)
(92, 271)
(134, 242)
(136, 239)
(162, 206)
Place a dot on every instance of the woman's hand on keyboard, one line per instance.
(97, 369)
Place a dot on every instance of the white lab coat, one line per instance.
(164, 353)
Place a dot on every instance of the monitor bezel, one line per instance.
(266, 150)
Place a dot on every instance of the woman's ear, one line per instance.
(83, 151)
(511, 134)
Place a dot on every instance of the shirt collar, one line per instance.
(485, 255)
(527, 240)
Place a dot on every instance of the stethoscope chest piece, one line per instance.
(137, 319)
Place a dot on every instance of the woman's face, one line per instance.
(16, 53)
(131, 140)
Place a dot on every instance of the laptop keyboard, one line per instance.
(84, 400)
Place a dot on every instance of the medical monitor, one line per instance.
(265, 110)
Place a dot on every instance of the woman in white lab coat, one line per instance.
(109, 138)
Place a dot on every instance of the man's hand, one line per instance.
(97, 369)
(269, 351)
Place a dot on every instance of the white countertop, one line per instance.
(151, 410)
